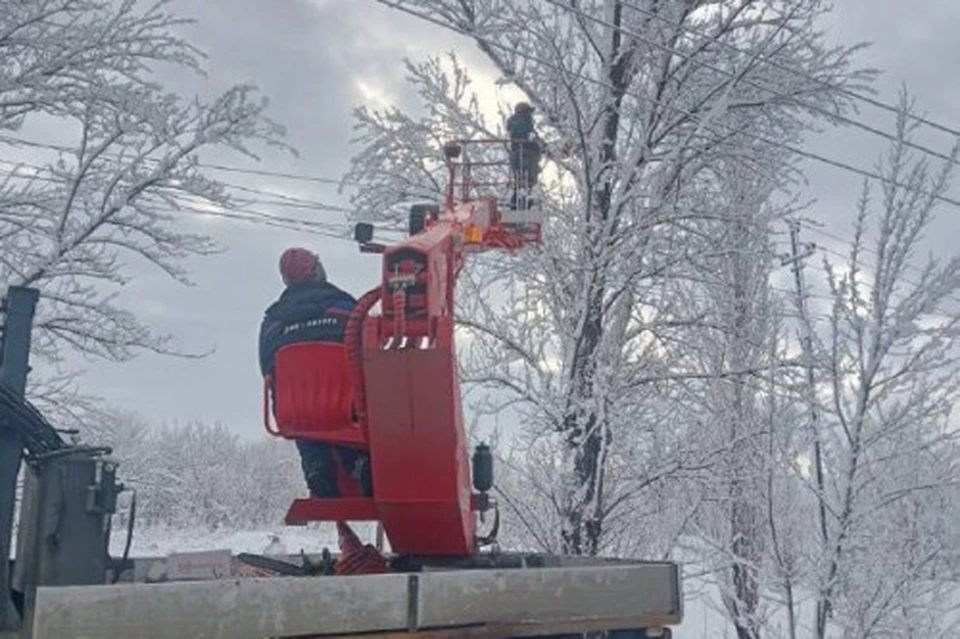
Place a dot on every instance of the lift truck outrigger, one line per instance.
(392, 390)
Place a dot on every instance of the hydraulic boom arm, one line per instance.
(408, 390)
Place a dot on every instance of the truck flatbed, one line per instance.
(447, 603)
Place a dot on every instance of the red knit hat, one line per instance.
(298, 265)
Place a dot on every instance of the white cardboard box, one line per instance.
(199, 566)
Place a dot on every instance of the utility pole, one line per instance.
(796, 259)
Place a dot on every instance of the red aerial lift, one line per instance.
(392, 390)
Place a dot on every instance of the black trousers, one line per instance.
(320, 469)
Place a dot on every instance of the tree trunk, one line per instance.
(587, 433)
(585, 436)
(746, 544)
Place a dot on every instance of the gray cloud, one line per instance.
(913, 48)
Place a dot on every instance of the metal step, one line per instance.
(467, 603)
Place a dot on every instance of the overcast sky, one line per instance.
(317, 60)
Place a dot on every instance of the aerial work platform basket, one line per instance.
(499, 168)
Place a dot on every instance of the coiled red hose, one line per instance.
(353, 338)
(355, 557)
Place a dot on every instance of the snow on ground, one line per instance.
(704, 619)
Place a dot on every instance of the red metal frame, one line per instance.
(404, 384)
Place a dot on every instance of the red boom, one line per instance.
(403, 369)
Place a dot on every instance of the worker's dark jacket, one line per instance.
(524, 151)
(314, 311)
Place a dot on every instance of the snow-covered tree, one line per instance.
(637, 102)
(98, 159)
(200, 476)
(889, 383)
(129, 436)
(736, 351)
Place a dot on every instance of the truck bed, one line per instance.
(512, 602)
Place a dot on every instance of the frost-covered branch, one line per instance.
(893, 380)
(112, 188)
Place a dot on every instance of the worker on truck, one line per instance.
(310, 309)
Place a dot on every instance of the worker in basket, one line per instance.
(310, 309)
(525, 154)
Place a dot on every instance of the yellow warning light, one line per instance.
(473, 234)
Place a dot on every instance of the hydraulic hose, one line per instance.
(353, 337)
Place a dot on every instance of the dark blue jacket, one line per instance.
(520, 126)
(314, 311)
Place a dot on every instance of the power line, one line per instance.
(287, 198)
(280, 174)
(871, 267)
(290, 201)
(264, 219)
(234, 212)
(200, 201)
(784, 67)
(764, 59)
(774, 143)
(218, 167)
(185, 204)
(865, 249)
